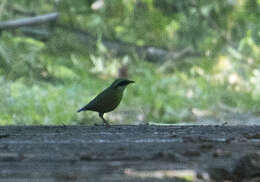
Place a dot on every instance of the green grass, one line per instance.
(155, 97)
(49, 86)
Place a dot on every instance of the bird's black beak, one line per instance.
(130, 81)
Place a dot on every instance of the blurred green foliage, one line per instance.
(45, 82)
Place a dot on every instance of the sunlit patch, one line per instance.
(233, 78)
(190, 93)
(224, 64)
(186, 174)
(201, 113)
(97, 5)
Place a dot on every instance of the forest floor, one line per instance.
(129, 153)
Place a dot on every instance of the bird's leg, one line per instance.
(105, 121)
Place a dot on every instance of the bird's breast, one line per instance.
(112, 102)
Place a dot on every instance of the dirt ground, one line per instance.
(129, 153)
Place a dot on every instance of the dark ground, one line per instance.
(129, 153)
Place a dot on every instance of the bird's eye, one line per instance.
(122, 83)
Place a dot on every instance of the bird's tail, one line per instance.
(82, 109)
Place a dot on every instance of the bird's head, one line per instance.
(121, 83)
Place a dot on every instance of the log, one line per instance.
(129, 153)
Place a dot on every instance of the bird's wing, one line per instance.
(98, 101)
(106, 101)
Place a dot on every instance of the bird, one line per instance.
(108, 99)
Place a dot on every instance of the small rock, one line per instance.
(219, 174)
(247, 167)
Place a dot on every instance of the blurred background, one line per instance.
(194, 61)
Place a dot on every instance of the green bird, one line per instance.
(109, 99)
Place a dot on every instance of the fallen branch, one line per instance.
(152, 54)
(119, 48)
(13, 24)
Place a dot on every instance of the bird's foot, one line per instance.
(104, 124)
(224, 124)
